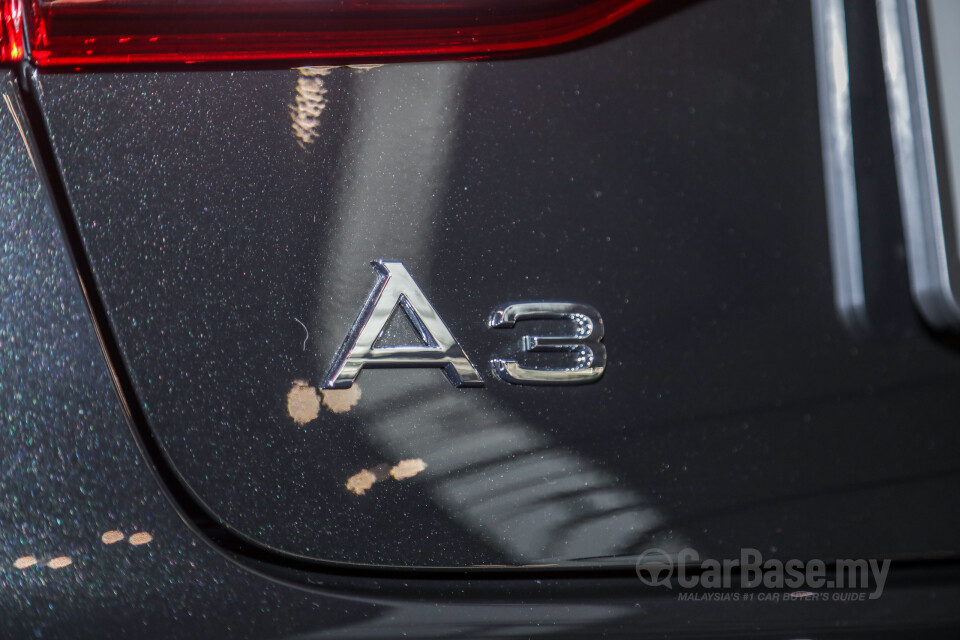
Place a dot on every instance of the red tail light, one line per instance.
(11, 36)
(75, 33)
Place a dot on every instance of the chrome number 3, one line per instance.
(396, 290)
(588, 354)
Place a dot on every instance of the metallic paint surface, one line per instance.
(72, 481)
(70, 473)
(928, 224)
(670, 177)
(90, 547)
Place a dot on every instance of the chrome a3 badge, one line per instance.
(396, 288)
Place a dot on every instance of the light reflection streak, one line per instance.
(309, 103)
(843, 216)
(491, 620)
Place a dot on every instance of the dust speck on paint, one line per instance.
(360, 482)
(303, 405)
(341, 400)
(408, 468)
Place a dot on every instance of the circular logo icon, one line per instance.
(655, 568)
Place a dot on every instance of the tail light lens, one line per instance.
(11, 34)
(72, 33)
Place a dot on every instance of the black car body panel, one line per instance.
(683, 199)
(669, 174)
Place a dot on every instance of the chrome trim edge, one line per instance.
(833, 88)
(930, 237)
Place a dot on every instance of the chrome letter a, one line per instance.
(394, 289)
